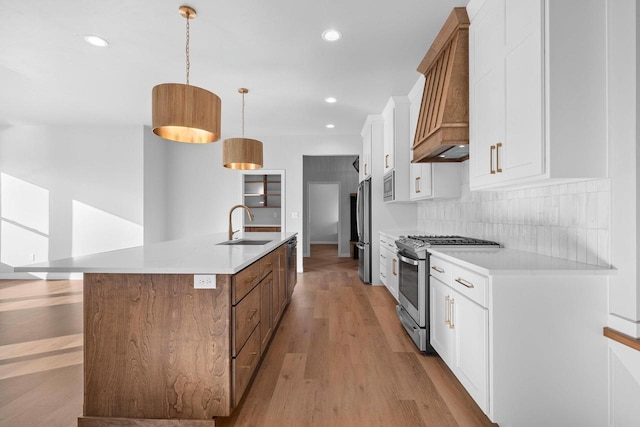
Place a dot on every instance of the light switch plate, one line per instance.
(204, 281)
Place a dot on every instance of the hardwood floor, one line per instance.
(341, 358)
(338, 358)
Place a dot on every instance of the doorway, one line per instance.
(324, 214)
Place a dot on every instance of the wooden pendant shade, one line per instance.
(185, 113)
(242, 153)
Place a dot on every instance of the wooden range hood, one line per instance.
(443, 123)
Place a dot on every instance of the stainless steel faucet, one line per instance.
(231, 232)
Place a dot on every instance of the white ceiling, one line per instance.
(50, 75)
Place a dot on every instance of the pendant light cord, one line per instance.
(187, 50)
(243, 114)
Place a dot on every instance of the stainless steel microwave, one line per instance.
(389, 186)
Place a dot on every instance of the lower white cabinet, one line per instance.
(460, 334)
(389, 265)
(523, 334)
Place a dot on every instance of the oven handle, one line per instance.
(408, 260)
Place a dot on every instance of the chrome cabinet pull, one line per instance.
(491, 149)
(417, 184)
(386, 160)
(393, 266)
(464, 283)
(498, 169)
(438, 269)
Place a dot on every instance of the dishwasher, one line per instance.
(292, 261)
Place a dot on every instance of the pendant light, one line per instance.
(185, 113)
(242, 153)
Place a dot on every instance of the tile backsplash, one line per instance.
(569, 221)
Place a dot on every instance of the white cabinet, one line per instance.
(459, 330)
(522, 333)
(389, 264)
(537, 92)
(429, 180)
(367, 143)
(396, 145)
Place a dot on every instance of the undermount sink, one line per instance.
(248, 242)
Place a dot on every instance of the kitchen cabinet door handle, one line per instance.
(251, 315)
(464, 283)
(365, 169)
(393, 267)
(417, 184)
(386, 160)
(382, 275)
(447, 320)
(491, 149)
(451, 309)
(498, 169)
(382, 256)
(253, 355)
(438, 269)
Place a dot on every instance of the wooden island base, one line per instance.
(158, 352)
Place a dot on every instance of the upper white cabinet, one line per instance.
(429, 180)
(367, 142)
(396, 145)
(537, 91)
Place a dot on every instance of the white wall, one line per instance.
(323, 212)
(84, 183)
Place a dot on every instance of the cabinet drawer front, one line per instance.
(245, 280)
(470, 284)
(246, 315)
(440, 269)
(244, 365)
(266, 265)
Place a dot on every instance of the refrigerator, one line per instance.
(363, 222)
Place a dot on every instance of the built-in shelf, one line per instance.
(262, 193)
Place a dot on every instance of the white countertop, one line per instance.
(501, 261)
(197, 255)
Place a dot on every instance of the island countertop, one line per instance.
(196, 255)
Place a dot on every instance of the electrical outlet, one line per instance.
(32, 257)
(204, 281)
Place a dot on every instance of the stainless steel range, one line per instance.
(413, 309)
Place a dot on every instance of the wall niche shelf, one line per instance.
(262, 193)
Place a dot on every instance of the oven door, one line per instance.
(412, 287)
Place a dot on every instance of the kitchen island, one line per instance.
(157, 350)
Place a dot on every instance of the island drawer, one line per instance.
(245, 280)
(266, 265)
(244, 365)
(245, 316)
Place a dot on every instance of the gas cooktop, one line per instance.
(417, 245)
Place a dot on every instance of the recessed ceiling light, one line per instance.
(461, 146)
(331, 35)
(96, 41)
(330, 100)
(330, 126)
(442, 155)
